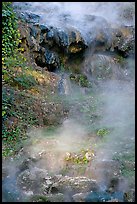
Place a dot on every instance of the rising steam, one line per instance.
(117, 110)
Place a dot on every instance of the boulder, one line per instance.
(70, 39)
(74, 185)
(123, 40)
(80, 197)
(52, 60)
(47, 58)
(28, 17)
(34, 180)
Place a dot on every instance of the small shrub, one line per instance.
(82, 157)
(80, 79)
(102, 132)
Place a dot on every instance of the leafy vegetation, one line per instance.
(80, 79)
(14, 74)
(102, 132)
(39, 198)
(82, 157)
(10, 32)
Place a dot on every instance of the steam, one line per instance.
(51, 150)
(53, 12)
(79, 14)
(118, 113)
(116, 110)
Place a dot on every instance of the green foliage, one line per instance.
(16, 118)
(102, 132)
(10, 33)
(19, 78)
(7, 102)
(11, 134)
(15, 60)
(24, 81)
(39, 198)
(80, 79)
(82, 157)
(11, 57)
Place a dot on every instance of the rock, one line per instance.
(127, 47)
(28, 17)
(68, 40)
(51, 60)
(123, 40)
(102, 196)
(80, 197)
(74, 185)
(34, 180)
(61, 38)
(98, 36)
(34, 31)
(97, 197)
(48, 38)
(59, 197)
(100, 67)
(49, 45)
(44, 28)
(113, 200)
(102, 36)
(33, 45)
(76, 42)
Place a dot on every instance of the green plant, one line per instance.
(82, 157)
(102, 132)
(14, 72)
(24, 81)
(10, 33)
(11, 135)
(39, 198)
(80, 79)
(7, 102)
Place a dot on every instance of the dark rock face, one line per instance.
(51, 46)
(48, 44)
(99, 35)
(29, 17)
(123, 41)
(102, 36)
(51, 60)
